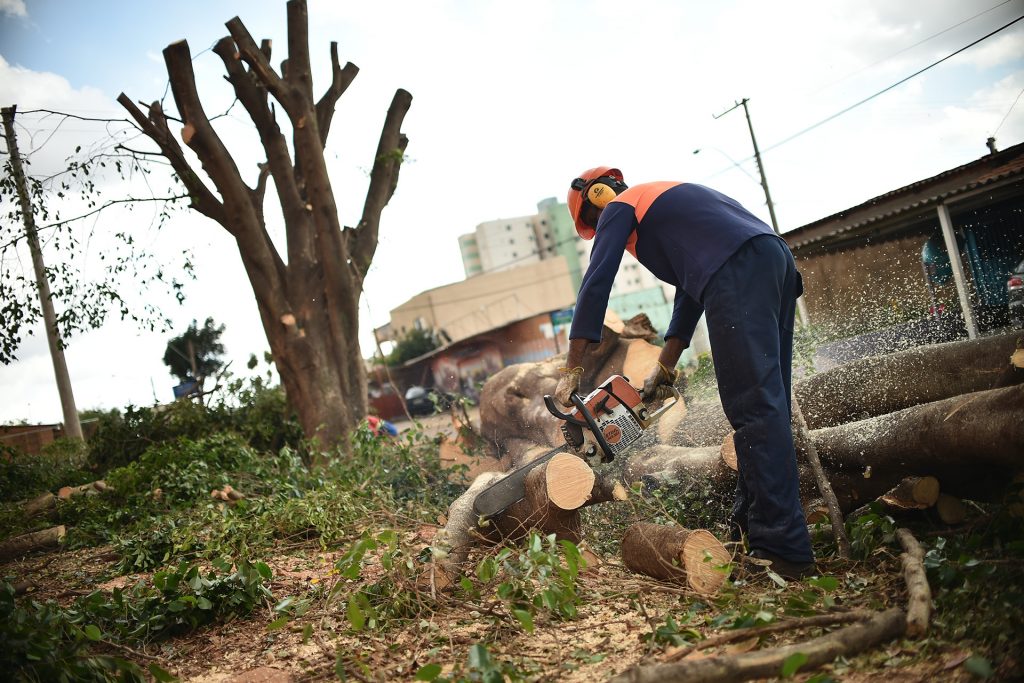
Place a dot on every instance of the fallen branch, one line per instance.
(824, 487)
(816, 620)
(919, 593)
(846, 642)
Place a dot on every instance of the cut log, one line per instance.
(919, 593)
(878, 385)
(607, 489)
(452, 544)
(729, 452)
(40, 504)
(950, 509)
(913, 492)
(816, 511)
(47, 539)
(554, 493)
(952, 437)
(679, 464)
(694, 557)
(846, 642)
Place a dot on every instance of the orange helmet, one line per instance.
(590, 185)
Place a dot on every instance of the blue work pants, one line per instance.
(750, 306)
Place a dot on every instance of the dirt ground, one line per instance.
(609, 635)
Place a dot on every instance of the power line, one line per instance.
(897, 83)
(1008, 112)
(911, 47)
(871, 97)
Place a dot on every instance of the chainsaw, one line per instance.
(598, 427)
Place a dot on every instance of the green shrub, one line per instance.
(23, 475)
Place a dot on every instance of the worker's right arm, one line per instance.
(617, 223)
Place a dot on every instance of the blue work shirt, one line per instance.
(681, 232)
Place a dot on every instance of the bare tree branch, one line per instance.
(341, 79)
(155, 126)
(300, 73)
(383, 181)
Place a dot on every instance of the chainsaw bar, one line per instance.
(502, 494)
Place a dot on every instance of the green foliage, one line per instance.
(196, 353)
(84, 293)
(61, 463)
(413, 344)
(870, 531)
(47, 642)
(257, 412)
(536, 581)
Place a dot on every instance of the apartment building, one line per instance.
(502, 244)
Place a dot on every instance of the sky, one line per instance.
(510, 102)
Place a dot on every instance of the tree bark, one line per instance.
(47, 539)
(694, 557)
(877, 385)
(947, 439)
(309, 304)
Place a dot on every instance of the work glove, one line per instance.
(567, 384)
(657, 386)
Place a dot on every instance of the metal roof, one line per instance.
(1001, 169)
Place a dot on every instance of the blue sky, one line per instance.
(511, 101)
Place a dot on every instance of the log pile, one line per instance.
(914, 430)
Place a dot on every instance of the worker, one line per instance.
(729, 265)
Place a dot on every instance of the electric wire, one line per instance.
(1015, 101)
(887, 89)
(911, 47)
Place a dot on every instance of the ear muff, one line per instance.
(600, 194)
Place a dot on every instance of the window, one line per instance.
(508, 227)
(512, 241)
(547, 236)
(514, 254)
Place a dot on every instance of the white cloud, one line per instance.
(14, 8)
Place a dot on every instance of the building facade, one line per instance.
(512, 242)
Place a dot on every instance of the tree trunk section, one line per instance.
(554, 493)
(947, 439)
(678, 555)
(877, 385)
(47, 539)
(950, 510)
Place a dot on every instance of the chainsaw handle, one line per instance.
(665, 406)
(609, 455)
(552, 407)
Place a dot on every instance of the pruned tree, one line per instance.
(307, 298)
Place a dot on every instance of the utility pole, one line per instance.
(72, 427)
(764, 184)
